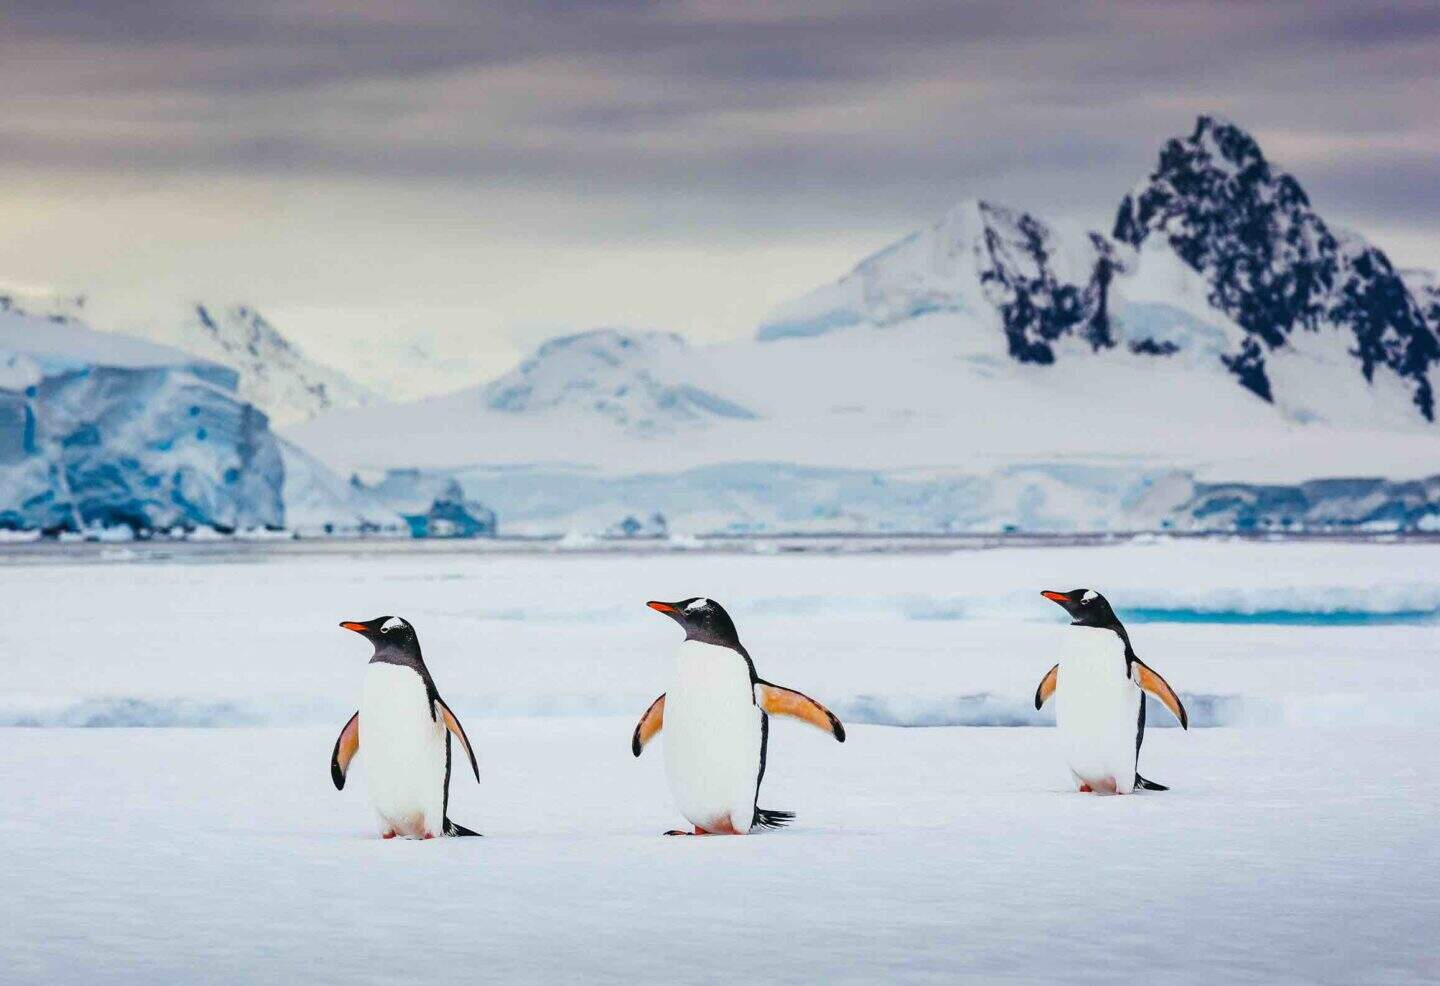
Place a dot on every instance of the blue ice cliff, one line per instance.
(99, 430)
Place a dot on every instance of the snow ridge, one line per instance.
(274, 374)
(624, 377)
(981, 259)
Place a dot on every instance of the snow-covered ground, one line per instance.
(1294, 847)
(918, 855)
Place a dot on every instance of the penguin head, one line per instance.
(385, 632)
(704, 620)
(1087, 608)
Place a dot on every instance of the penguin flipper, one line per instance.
(650, 723)
(347, 744)
(780, 701)
(1144, 784)
(1151, 682)
(1047, 687)
(453, 724)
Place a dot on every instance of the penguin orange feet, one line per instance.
(1086, 789)
(698, 831)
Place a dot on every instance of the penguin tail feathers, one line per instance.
(769, 818)
(452, 828)
(1147, 785)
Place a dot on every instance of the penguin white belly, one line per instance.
(712, 738)
(1096, 710)
(403, 751)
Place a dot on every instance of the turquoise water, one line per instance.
(1283, 617)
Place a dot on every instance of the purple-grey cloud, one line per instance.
(727, 111)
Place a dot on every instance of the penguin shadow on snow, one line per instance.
(1099, 686)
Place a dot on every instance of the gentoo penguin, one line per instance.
(1099, 701)
(716, 726)
(406, 728)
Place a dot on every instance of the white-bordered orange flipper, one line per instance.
(1047, 686)
(347, 744)
(650, 723)
(780, 701)
(1151, 682)
(453, 724)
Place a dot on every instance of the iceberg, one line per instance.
(104, 431)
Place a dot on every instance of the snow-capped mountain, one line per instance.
(1042, 285)
(1217, 254)
(1273, 266)
(991, 369)
(1424, 286)
(274, 374)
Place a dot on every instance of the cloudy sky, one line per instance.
(373, 175)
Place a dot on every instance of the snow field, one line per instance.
(918, 855)
(1293, 847)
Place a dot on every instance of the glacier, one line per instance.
(773, 497)
(103, 431)
(431, 504)
(103, 435)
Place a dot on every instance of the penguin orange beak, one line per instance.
(662, 607)
(357, 627)
(1055, 597)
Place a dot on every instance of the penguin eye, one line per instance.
(384, 629)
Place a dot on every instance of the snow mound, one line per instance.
(638, 381)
